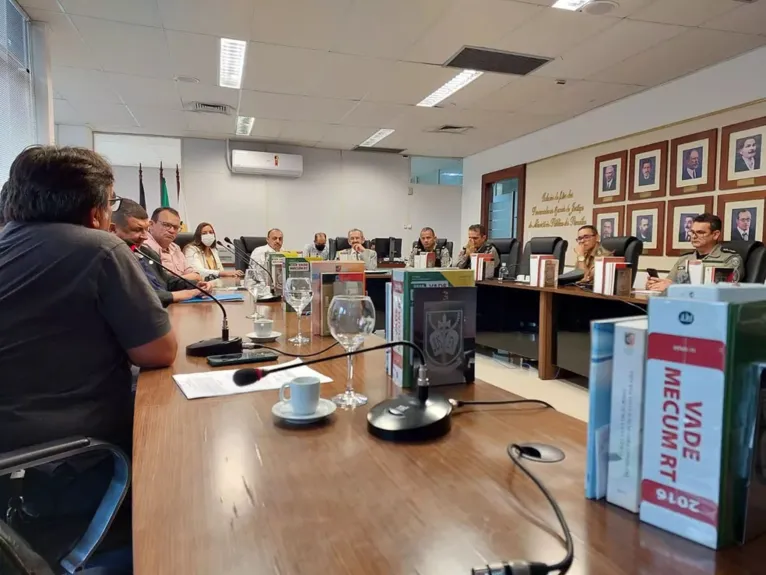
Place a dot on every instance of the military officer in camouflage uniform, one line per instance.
(588, 249)
(706, 240)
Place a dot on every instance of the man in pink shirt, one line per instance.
(163, 230)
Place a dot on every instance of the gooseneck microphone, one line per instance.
(204, 348)
(418, 417)
(245, 256)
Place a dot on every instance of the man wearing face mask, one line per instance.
(319, 248)
(202, 255)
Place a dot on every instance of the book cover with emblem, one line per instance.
(319, 267)
(444, 326)
(702, 409)
(404, 283)
(296, 267)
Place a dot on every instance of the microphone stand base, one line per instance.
(408, 419)
(215, 346)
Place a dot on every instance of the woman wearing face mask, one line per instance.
(202, 254)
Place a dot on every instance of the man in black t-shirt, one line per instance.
(76, 310)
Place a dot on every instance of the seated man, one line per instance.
(319, 248)
(357, 251)
(163, 230)
(427, 243)
(274, 241)
(131, 224)
(2, 206)
(477, 244)
(706, 240)
(77, 311)
(588, 249)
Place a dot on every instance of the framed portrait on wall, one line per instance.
(692, 163)
(742, 158)
(742, 216)
(646, 221)
(681, 214)
(648, 172)
(609, 221)
(610, 173)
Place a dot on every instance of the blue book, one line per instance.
(222, 297)
(600, 404)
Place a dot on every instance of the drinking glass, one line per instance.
(252, 285)
(298, 293)
(351, 318)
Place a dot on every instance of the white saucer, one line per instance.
(284, 411)
(273, 337)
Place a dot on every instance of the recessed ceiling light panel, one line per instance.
(245, 125)
(570, 4)
(376, 137)
(232, 63)
(457, 83)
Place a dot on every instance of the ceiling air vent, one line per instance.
(470, 58)
(379, 150)
(204, 108)
(450, 129)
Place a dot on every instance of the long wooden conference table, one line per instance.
(219, 489)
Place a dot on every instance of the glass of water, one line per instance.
(351, 319)
(252, 285)
(298, 294)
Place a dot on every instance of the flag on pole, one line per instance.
(164, 198)
(141, 193)
(178, 199)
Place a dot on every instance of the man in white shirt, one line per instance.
(357, 251)
(274, 241)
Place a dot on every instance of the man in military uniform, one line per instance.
(706, 239)
(588, 249)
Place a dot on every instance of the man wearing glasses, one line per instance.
(588, 249)
(166, 223)
(706, 240)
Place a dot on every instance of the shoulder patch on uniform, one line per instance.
(729, 251)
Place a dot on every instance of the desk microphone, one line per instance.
(206, 347)
(242, 254)
(418, 417)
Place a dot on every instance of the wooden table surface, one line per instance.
(570, 290)
(219, 489)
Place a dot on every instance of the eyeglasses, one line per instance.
(115, 203)
(169, 226)
(582, 239)
(694, 234)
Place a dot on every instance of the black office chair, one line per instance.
(753, 255)
(16, 556)
(555, 246)
(440, 243)
(510, 254)
(339, 244)
(183, 239)
(246, 245)
(627, 247)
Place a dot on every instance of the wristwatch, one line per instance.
(580, 258)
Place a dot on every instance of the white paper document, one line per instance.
(220, 383)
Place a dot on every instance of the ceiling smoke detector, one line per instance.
(600, 7)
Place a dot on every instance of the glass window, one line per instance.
(436, 171)
(503, 209)
(17, 122)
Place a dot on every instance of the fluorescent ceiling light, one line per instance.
(376, 137)
(570, 4)
(232, 63)
(460, 81)
(245, 125)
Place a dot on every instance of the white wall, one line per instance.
(338, 190)
(80, 136)
(732, 83)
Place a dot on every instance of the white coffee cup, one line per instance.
(262, 327)
(304, 395)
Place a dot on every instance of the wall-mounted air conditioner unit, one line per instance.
(266, 164)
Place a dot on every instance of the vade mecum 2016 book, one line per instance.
(404, 283)
(702, 468)
(444, 327)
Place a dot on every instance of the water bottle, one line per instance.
(503, 274)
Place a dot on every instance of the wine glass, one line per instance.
(298, 294)
(351, 318)
(252, 285)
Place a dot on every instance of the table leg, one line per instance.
(546, 343)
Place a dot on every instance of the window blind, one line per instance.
(17, 122)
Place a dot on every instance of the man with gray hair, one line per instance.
(357, 251)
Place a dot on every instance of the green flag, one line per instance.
(164, 199)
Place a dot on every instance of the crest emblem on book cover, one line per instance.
(444, 336)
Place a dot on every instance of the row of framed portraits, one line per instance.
(642, 173)
(664, 226)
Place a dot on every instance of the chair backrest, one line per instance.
(628, 247)
(341, 244)
(17, 557)
(244, 247)
(753, 256)
(548, 245)
(183, 239)
(510, 253)
(440, 243)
